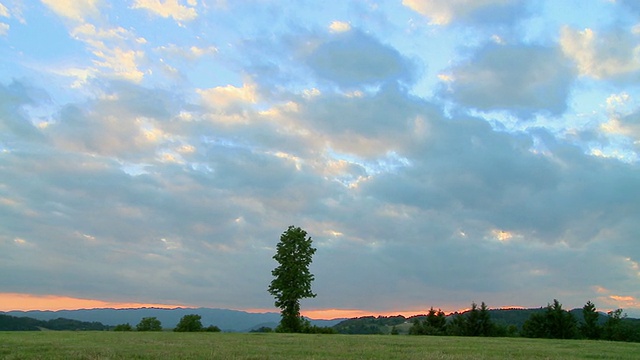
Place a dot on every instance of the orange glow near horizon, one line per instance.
(353, 313)
(26, 302)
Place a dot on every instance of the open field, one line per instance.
(170, 345)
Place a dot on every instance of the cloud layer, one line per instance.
(158, 156)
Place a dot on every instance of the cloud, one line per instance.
(190, 53)
(139, 185)
(444, 12)
(4, 12)
(73, 9)
(367, 125)
(111, 47)
(168, 8)
(614, 54)
(125, 123)
(122, 63)
(339, 26)
(238, 185)
(521, 79)
(354, 59)
(15, 122)
(223, 97)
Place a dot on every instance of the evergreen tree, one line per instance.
(562, 323)
(292, 278)
(437, 321)
(485, 325)
(554, 323)
(472, 323)
(590, 328)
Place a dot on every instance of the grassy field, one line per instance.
(169, 345)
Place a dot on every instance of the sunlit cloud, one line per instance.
(73, 9)
(443, 12)
(601, 55)
(339, 26)
(169, 8)
(4, 12)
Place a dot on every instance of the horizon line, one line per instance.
(10, 302)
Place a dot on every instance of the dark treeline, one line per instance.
(552, 322)
(14, 323)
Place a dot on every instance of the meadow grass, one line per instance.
(170, 345)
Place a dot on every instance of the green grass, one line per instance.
(170, 345)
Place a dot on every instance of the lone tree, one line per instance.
(149, 324)
(292, 279)
(189, 323)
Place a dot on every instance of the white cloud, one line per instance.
(602, 56)
(222, 97)
(443, 12)
(168, 8)
(81, 75)
(89, 31)
(4, 29)
(190, 53)
(122, 63)
(4, 12)
(108, 46)
(339, 26)
(73, 9)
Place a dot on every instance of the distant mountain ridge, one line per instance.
(20, 323)
(227, 320)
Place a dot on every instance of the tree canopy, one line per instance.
(292, 278)
(149, 324)
(189, 323)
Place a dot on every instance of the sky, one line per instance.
(438, 152)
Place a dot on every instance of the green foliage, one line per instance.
(369, 325)
(262, 329)
(189, 323)
(434, 323)
(212, 328)
(612, 329)
(149, 324)
(123, 327)
(475, 322)
(307, 328)
(619, 328)
(553, 323)
(15, 323)
(292, 278)
(590, 328)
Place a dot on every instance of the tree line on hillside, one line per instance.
(551, 322)
(15, 323)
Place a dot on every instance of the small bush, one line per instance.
(212, 328)
(123, 327)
